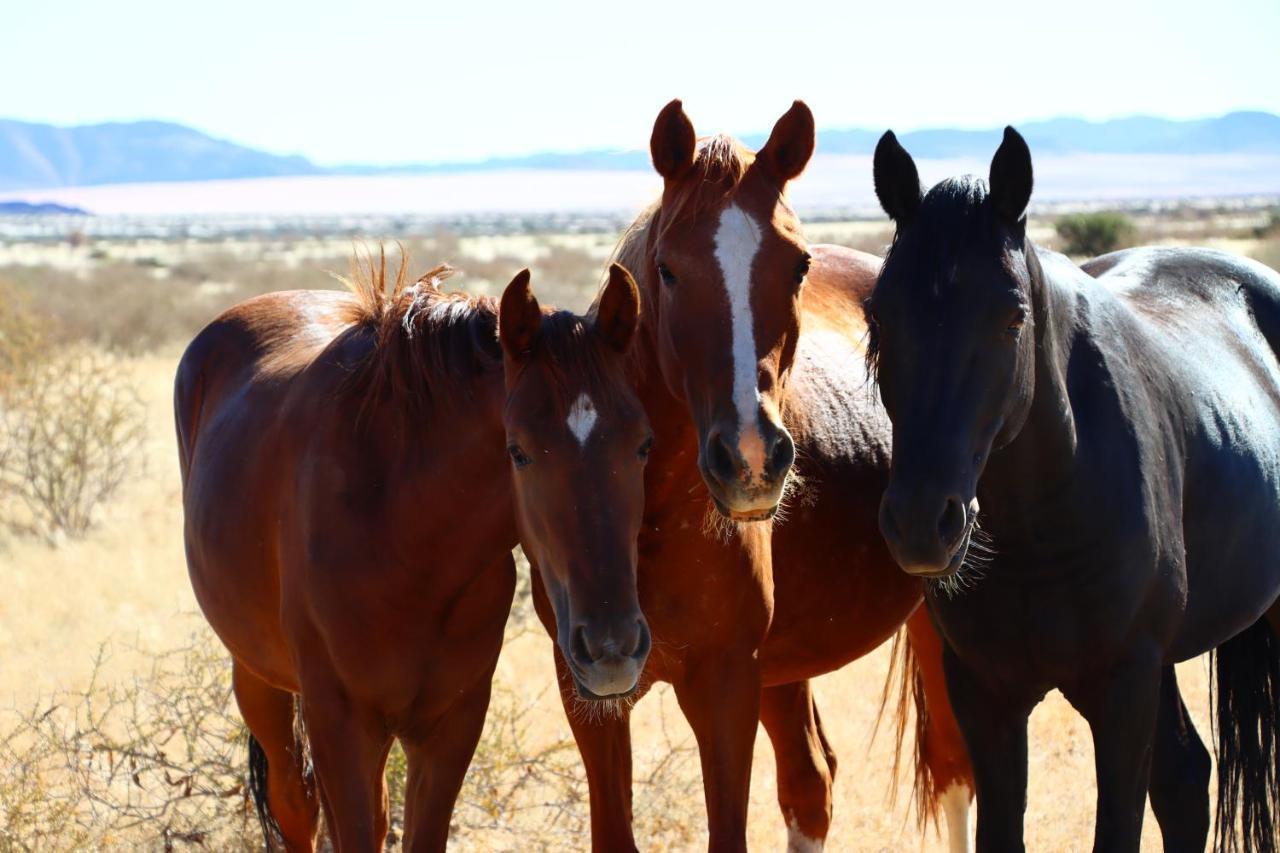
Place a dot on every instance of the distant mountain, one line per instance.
(40, 155)
(36, 156)
(44, 208)
(1233, 133)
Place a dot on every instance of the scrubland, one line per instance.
(117, 729)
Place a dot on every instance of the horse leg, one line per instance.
(720, 697)
(438, 758)
(349, 748)
(288, 797)
(804, 775)
(1121, 708)
(994, 725)
(603, 736)
(1179, 773)
(942, 753)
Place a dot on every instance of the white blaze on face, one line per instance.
(737, 242)
(955, 805)
(582, 418)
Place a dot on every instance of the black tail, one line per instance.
(271, 835)
(1247, 670)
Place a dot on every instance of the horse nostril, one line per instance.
(578, 645)
(781, 455)
(951, 522)
(720, 459)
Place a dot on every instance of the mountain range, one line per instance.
(40, 156)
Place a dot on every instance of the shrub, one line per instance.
(1092, 234)
(71, 429)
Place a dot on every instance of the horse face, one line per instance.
(729, 262)
(578, 440)
(953, 345)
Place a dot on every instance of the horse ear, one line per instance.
(673, 141)
(790, 144)
(519, 317)
(896, 179)
(1011, 178)
(619, 310)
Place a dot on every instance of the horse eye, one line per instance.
(643, 452)
(667, 276)
(518, 456)
(1016, 324)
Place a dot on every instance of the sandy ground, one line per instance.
(125, 585)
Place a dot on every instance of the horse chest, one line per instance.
(1047, 629)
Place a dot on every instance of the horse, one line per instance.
(745, 360)
(1118, 426)
(318, 434)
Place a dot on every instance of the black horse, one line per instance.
(1120, 425)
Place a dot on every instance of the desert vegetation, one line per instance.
(117, 726)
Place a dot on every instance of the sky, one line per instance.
(394, 81)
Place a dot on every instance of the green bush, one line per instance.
(1092, 234)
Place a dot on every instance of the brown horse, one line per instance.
(746, 328)
(349, 525)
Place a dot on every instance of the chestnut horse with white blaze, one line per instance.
(349, 526)
(749, 356)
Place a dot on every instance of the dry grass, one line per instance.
(124, 584)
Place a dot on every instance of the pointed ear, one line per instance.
(896, 179)
(1011, 179)
(519, 318)
(619, 310)
(673, 142)
(790, 144)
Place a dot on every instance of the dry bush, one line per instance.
(1092, 234)
(71, 431)
(157, 762)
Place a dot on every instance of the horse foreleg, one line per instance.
(720, 697)
(349, 748)
(806, 766)
(437, 757)
(1179, 773)
(602, 732)
(994, 725)
(1121, 708)
(942, 756)
(291, 807)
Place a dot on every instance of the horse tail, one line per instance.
(272, 837)
(905, 679)
(1247, 672)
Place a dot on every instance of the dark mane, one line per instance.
(424, 343)
(953, 218)
(568, 347)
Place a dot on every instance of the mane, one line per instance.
(424, 342)
(953, 218)
(566, 348)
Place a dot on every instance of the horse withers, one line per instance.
(1118, 427)
(349, 521)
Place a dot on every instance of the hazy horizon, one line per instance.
(394, 83)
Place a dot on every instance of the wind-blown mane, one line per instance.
(424, 343)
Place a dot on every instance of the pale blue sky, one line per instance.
(384, 81)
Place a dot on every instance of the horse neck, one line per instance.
(1035, 469)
